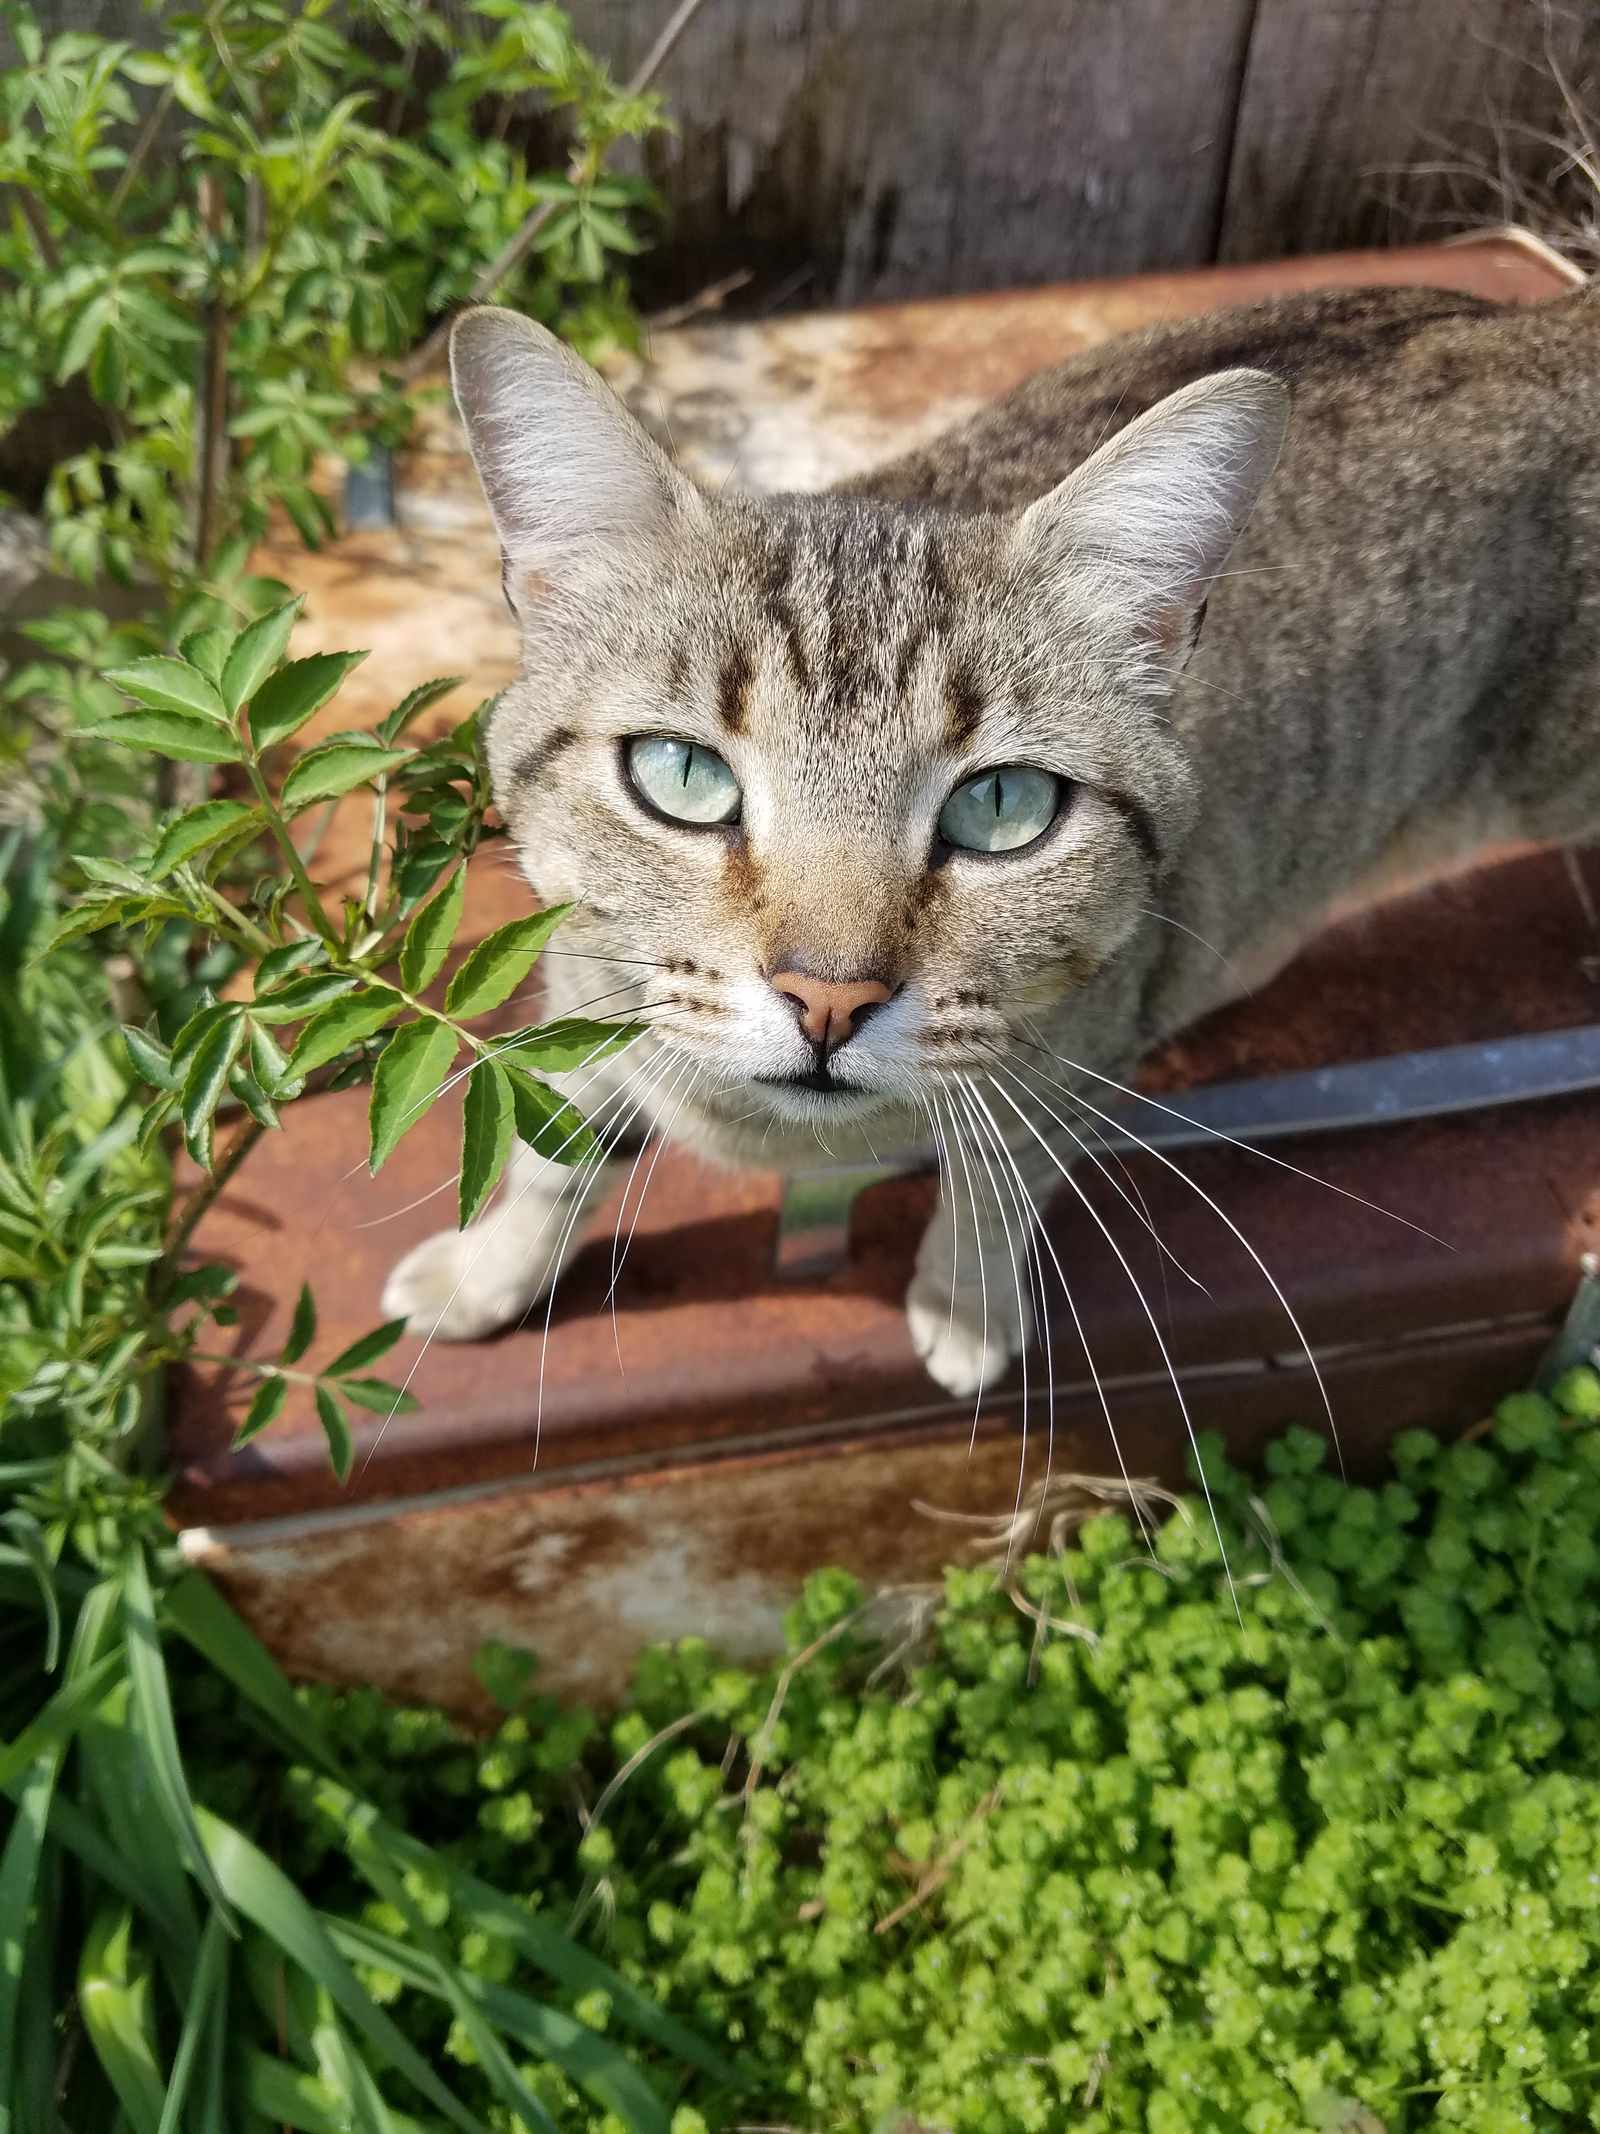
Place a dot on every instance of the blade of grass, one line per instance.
(205, 1995)
(114, 2000)
(19, 1874)
(491, 2055)
(264, 1894)
(549, 1950)
(152, 1707)
(582, 2054)
(197, 1611)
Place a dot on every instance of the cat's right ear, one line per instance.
(574, 484)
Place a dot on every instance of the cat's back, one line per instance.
(1449, 377)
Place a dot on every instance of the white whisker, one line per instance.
(1122, 1260)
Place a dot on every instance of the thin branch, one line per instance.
(38, 228)
(194, 1208)
(142, 147)
(517, 247)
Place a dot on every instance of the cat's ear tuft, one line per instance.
(1139, 532)
(573, 482)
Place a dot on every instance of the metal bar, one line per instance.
(814, 1221)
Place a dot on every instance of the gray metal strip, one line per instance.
(814, 1222)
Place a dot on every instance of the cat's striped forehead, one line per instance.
(840, 614)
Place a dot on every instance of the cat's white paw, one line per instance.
(454, 1287)
(967, 1349)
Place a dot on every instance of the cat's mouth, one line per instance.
(817, 1083)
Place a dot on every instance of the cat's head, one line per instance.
(854, 790)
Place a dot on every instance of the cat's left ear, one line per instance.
(574, 484)
(1139, 532)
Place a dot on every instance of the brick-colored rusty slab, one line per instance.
(586, 1572)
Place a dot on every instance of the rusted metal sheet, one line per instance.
(693, 1436)
(589, 1566)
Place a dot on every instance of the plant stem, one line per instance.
(517, 247)
(199, 1201)
(212, 456)
(286, 844)
(38, 227)
(141, 147)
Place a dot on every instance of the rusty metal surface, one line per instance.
(586, 1570)
(718, 1435)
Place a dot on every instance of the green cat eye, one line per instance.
(683, 780)
(1000, 810)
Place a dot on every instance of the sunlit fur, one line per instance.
(1387, 659)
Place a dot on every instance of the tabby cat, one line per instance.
(940, 798)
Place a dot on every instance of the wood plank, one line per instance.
(883, 148)
(1360, 121)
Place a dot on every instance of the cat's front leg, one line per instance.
(461, 1285)
(970, 1306)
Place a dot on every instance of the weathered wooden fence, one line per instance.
(884, 148)
(845, 150)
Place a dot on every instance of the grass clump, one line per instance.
(1327, 1860)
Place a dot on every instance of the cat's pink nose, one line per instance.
(828, 1010)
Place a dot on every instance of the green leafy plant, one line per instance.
(229, 243)
(158, 1969)
(343, 989)
(219, 235)
(1083, 1845)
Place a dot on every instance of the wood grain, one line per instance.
(1367, 121)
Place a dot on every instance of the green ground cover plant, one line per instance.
(1111, 1846)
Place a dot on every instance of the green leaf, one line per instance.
(546, 1121)
(169, 733)
(273, 969)
(498, 965)
(206, 1079)
(19, 1879)
(114, 2002)
(327, 773)
(265, 1895)
(485, 1135)
(343, 1024)
(194, 831)
(430, 934)
(265, 1408)
(207, 1999)
(585, 2057)
(207, 649)
(378, 1395)
(367, 1350)
(505, 1672)
(257, 651)
(545, 1946)
(151, 1060)
(335, 1421)
(573, 1041)
(282, 703)
(28, 1535)
(194, 1608)
(302, 1328)
(152, 1706)
(414, 1068)
(301, 997)
(170, 685)
(412, 707)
